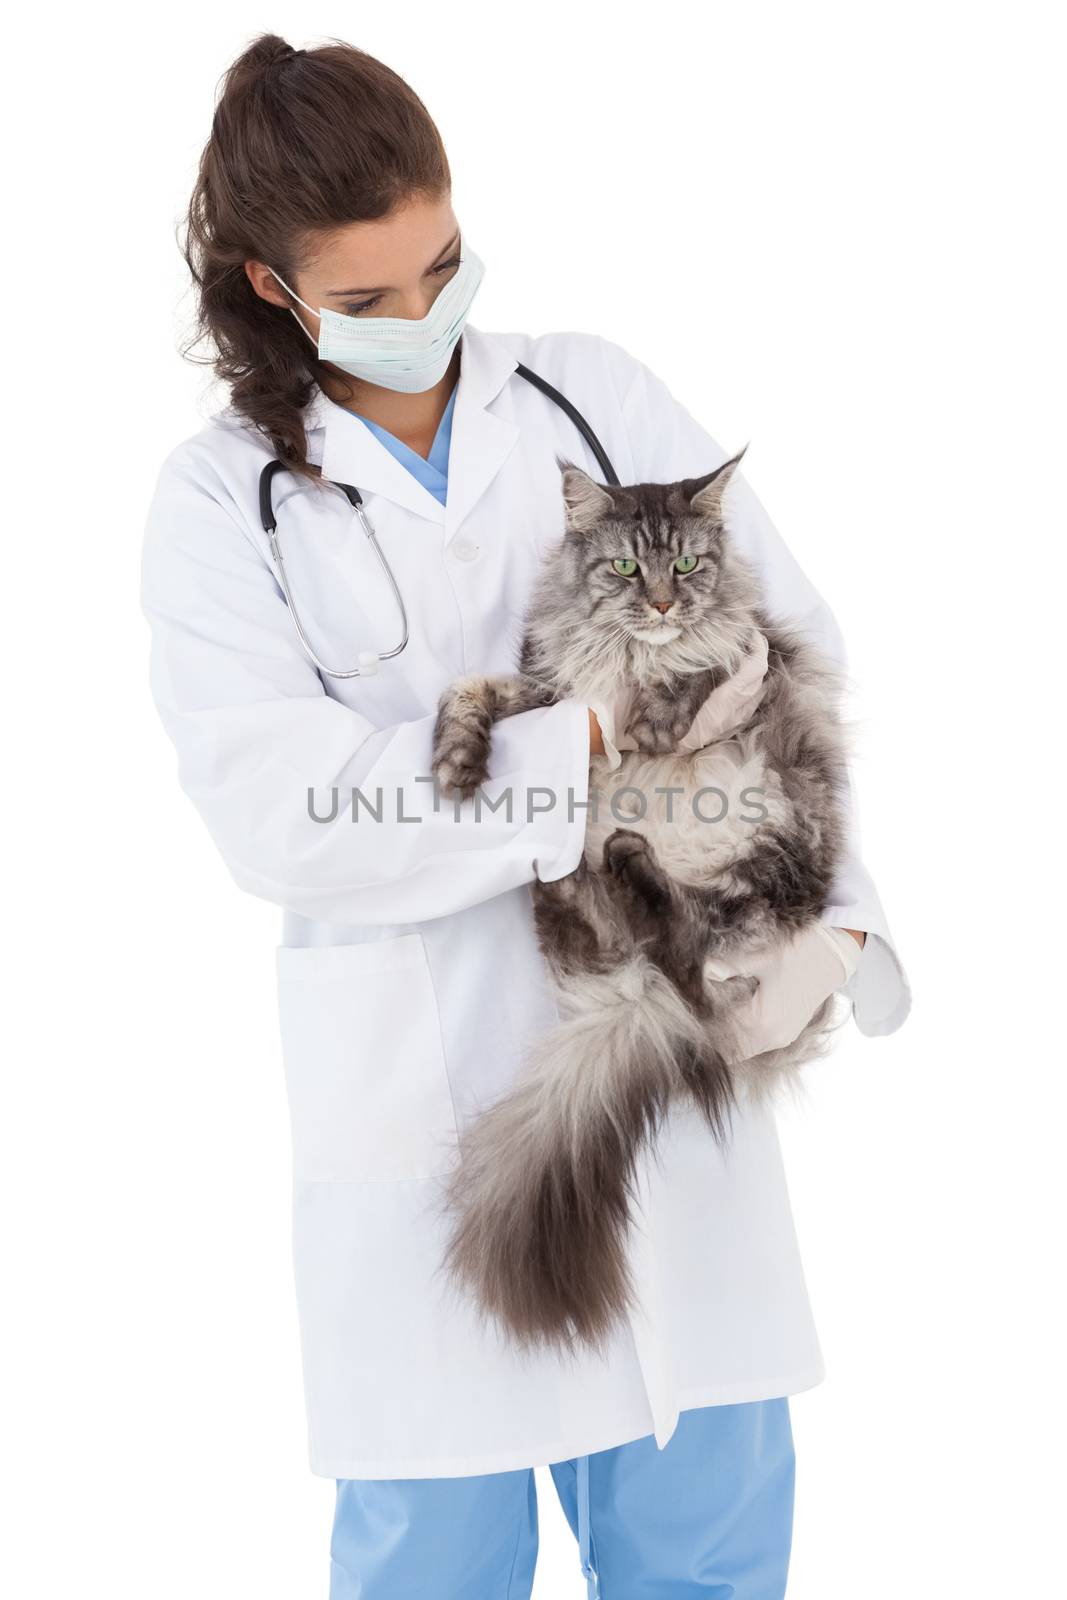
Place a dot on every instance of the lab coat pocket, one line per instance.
(365, 1073)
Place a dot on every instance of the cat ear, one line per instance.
(586, 500)
(705, 495)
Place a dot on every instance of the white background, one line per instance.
(834, 230)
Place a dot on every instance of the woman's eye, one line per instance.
(686, 563)
(625, 567)
(354, 311)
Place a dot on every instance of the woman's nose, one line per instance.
(414, 308)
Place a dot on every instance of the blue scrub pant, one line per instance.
(709, 1516)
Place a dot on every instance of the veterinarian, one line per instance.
(410, 978)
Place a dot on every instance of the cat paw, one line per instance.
(463, 773)
(630, 859)
(657, 725)
(621, 847)
(653, 738)
(462, 738)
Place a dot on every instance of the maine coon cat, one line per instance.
(645, 591)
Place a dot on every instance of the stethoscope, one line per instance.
(369, 661)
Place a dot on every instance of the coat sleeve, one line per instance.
(255, 730)
(667, 444)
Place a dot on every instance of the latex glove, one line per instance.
(794, 980)
(725, 709)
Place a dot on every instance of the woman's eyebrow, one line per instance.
(382, 288)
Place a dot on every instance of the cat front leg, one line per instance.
(463, 731)
(662, 714)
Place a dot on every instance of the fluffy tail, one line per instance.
(540, 1196)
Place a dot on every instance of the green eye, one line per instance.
(686, 563)
(625, 567)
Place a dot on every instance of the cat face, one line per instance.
(647, 563)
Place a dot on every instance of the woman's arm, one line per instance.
(668, 444)
(254, 730)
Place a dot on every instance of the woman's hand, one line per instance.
(596, 736)
(794, 980)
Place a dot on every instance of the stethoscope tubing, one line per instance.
(355, 500)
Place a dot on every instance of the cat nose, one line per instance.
(662, 606)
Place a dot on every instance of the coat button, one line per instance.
(464, 550)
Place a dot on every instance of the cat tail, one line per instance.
(540, 1196)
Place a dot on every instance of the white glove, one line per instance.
(731, 704)
(794, 980)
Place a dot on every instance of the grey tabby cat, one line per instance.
(645, 589)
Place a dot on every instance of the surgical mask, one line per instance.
(402, 353)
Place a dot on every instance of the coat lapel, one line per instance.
(481, 441)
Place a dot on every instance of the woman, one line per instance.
(410, 979)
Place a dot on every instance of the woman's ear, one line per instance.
(266, 284)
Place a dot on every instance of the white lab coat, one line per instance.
(409, 973)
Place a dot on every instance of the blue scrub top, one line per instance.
(432, 472)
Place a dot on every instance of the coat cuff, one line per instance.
(878, 991)
(564, 825)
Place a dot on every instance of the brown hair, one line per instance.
(301, 141)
